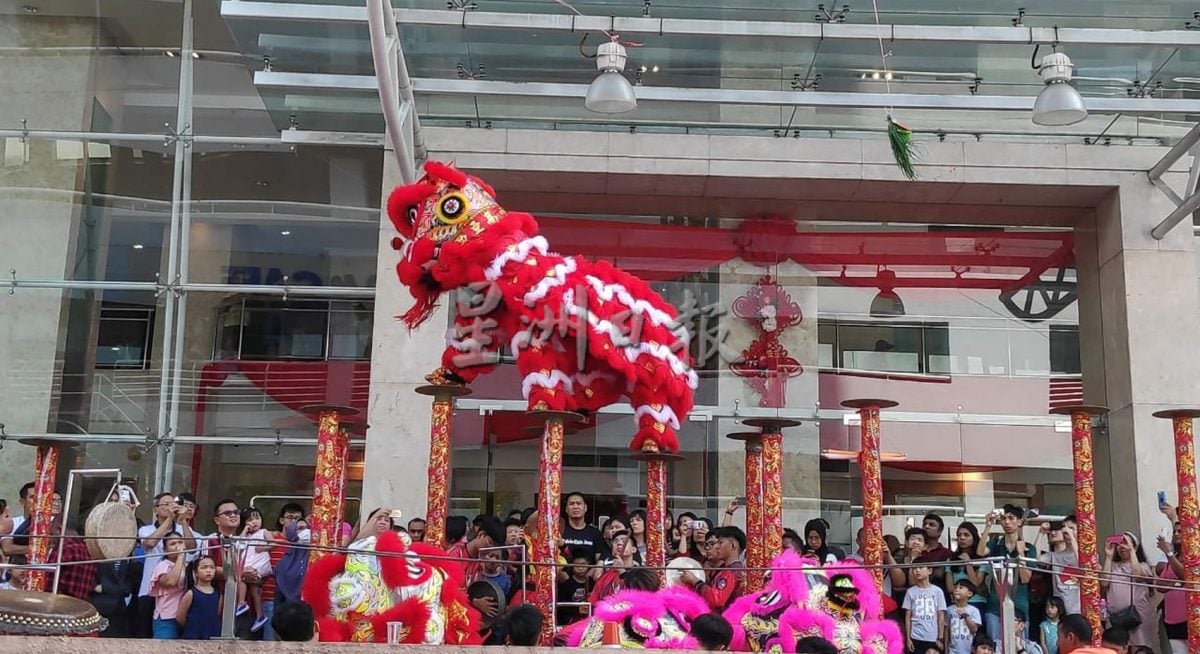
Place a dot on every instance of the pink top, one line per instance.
(166, 604)
(1174, 601)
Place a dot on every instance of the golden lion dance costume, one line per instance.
(585, 333)
(356, 595)
(839, 603)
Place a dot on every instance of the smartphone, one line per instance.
(396, 517)
(740, 501)
(1116, 540)
(1162, 499)
(1056, 525)
(124, 495)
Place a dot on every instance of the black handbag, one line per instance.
(1127, 618)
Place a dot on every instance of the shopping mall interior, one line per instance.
(194, 248)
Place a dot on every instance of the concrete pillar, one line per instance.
(1139, 300)
(397, 450)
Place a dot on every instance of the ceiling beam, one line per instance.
(1022, 35)
(437, 86)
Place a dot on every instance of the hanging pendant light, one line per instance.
(1059, 103)
(610, 92)
(887, 303)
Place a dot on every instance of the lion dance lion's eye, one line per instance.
(452, 208)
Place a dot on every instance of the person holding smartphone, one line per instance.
(1063, 563)
(1127, 582)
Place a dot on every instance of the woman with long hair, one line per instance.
(1170, 576)
(966, 540)
(637, 531)
(1127, 582)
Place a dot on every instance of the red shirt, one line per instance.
(276, 553)
(78, 581)
(608, 584)
(723, 586)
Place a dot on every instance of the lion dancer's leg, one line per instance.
(657, 420)
(547, 377)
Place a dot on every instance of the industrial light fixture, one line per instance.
(887, 304)
(610, 92)
(1059, 103)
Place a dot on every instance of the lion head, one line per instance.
(451, 228)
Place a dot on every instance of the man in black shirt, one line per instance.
(579, 537)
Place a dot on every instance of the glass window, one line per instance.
(123, 340)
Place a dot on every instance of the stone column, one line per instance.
(1138, 306)
(398, 438)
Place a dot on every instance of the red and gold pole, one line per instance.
(438, 493)
(656, 506)
(755, 546)
(329, 480)
(772, 483)
(1189, 515)
(545, 545)
(872, 482)
(43, 513)
(1085, 510)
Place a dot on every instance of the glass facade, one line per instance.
(191, 263)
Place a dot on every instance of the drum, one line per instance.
(33, 613)
(677, 566)
(111, 531)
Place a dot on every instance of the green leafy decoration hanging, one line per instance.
(903, 148)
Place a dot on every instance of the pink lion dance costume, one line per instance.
(584, 333)
(838, 603)
(649, 620)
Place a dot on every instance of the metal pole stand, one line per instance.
(1189, 514)
(772, 482)
(656, 506)
(872, 481)
(545, 544)
(329, 480)
(438, 504)
(1085, 510)
(1004, 571)
(755, 545)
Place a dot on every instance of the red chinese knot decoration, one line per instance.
(766, 363)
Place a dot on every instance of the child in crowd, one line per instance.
(16, 576)
(712, 631)
(924, 612)
(167, 586)
(963, 620)
(1055, 609)
(254, 556)
(495, 570)
(574, 590)
(983, 644)
(200, 608)
(523, 626)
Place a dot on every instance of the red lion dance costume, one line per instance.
(355, 596)
(584, 333)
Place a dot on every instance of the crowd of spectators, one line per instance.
(943, 598)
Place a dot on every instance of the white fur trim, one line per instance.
(519, 253)
(553, 380)
(559, 278)
(468, 345)
(666, 416)
(607, 292)
(613, 333)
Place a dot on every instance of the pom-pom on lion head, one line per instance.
(451, 228)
